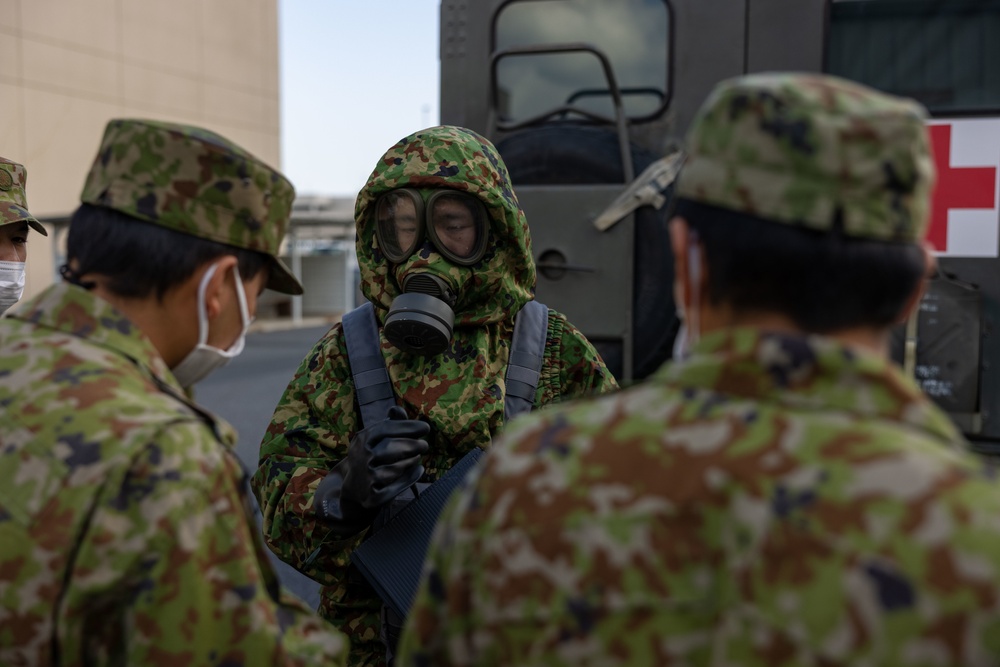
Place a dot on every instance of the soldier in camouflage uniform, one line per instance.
(126, 534)
(448, 403)
(14, 222)
(782, 496)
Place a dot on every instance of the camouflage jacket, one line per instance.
(460, 392)
(125, 531)
(774, 500)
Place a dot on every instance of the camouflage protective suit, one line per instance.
(125, 531)
(774, 500)
(460, 392)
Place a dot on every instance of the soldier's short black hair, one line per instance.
(139, 258)
(824, 281)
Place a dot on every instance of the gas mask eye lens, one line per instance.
(454, 226)
(399, 223)
(458, 225)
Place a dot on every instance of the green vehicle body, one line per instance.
(587, 102)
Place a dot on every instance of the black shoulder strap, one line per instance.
(371, 379)
(527, 350)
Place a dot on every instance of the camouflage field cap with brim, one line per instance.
(13, 202)
(196, 182)
(809, 150)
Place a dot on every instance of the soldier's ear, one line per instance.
(678, 238)
(216, 290)
(689, 273)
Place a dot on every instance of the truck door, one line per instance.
(568, 79)
(580, 96)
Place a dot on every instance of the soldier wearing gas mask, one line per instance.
(445, 258)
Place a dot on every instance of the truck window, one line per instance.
(632, 34)
(944, 54)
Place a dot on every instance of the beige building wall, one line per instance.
(68, 66)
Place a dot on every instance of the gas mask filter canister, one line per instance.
(420, 320)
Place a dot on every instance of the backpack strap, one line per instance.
(527, 349)
(371, 379)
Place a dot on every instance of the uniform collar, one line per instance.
(77, 312)
(807, 372)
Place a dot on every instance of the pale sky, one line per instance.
(356, 76)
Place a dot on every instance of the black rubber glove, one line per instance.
(381, 461)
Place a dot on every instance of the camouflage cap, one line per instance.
(13, 202)
(196, 182)
(808, 149)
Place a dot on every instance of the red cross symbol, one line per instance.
(957, 187)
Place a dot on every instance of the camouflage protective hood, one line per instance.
(493, 289)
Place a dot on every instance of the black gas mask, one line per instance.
(421, 319)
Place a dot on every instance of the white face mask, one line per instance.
(688, 334)
(11, 284)
(204, 358)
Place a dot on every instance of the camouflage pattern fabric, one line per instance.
(126, 535)
(459, 392)
(815, 151)
(775, 500)
(194, 181)
(13, 201)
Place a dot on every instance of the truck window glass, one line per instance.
(632, 34)
(944, 54)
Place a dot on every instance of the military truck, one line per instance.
(587, 101)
